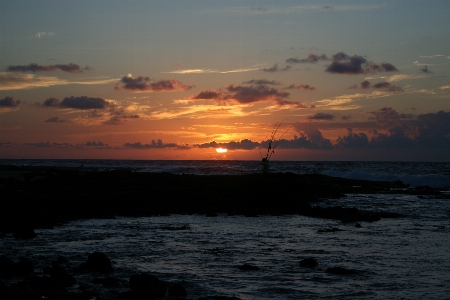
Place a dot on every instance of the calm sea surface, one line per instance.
(400, 258)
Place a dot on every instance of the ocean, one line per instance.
(405, 257)
(433, 174)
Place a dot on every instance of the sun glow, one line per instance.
(221, 150)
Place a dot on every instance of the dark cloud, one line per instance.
(54, 120)
(304, 87)
(154, 144)
(310, 137)
(387, 117)
(275, 69)
(425, 70)
(209, 94)
(365, 84)
(344, 64)
(95, 144)
(403, 131)
(9, 102)
(69, 68)
(50, 102)
(143, 83)
(353, 140)
(345, 118)
(250, 94)
(387, 86)
(321, 116)
(245, 144)
(312, 58)
(84, 102)
(119, 119)
(433, 129)
(380, 86)
(262, 82)
(49, 145)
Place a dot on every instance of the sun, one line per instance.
(221, 150)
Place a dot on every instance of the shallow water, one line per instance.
(399, 258)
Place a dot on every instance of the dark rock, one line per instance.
(61, 260)
(211, 215)
(6, 267)
(357, 225)
(23, 232)
(42, 286)
(341, 271)
(60, 274)
(146, 285)
(177, 290)
(97, 262)
(111, 282)
(248, 267)
(309, 263)
(24, 267)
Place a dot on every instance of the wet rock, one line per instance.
(357, 225)
(211, 215)
(6, 267)
(309, 263)
(97, 262)
(60, 274)
(24, 267)
(61, 260)
(23, 232)
(146, 285)
(36, 287)
(341, 271)
(177, 290)
(248, 267)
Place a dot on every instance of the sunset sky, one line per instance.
(347, 80)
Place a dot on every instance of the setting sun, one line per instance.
(221, 150)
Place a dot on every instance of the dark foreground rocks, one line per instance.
(47, 197)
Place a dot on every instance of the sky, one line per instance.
(325, 80)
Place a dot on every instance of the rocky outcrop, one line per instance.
(309, 263)
(97, 262)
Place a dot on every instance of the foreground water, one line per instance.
(400, 258)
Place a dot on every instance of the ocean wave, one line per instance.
(431, 180)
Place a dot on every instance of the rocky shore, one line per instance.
(36, 197)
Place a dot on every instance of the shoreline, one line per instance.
(42, 197)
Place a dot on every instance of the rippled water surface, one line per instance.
(399, 258)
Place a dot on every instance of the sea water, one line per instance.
(406, 257)
(434, 174)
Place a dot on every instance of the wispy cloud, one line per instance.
(205, 71)
(400, 77)
(68, 68)
(42, 34)
(19, 81)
